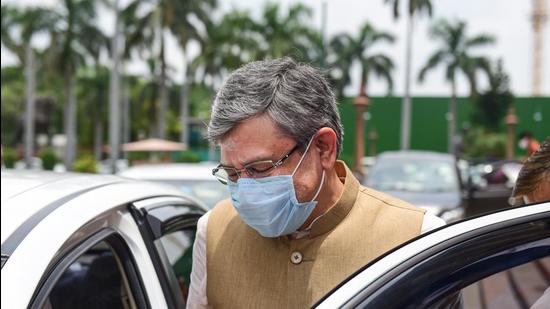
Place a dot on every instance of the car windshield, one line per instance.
(413, 176)
(209, 192)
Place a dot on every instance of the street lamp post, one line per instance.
(511, 122)
(373, 136)
(361, 103)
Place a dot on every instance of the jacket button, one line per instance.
(296, 257)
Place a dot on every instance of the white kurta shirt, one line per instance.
(197, 290)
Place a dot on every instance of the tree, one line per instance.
(414, 7)
(491, 105)
(162, 18)
(76, 27)
(228, 44)
(357, 50)
(455, 54)
(30, 22)
(287, 34)
(187, 31)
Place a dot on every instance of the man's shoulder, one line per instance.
(223, 205)
(370, 195)
(223, 212)
(224, 208)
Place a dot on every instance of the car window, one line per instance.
(414, 176)
(209, 192)
(97, 279)
(518, 287)
(178, 247)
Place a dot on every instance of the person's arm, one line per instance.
(197, 290)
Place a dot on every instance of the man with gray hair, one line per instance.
(298, 222)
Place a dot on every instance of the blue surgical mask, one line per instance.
(269, 204)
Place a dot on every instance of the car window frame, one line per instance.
(152, 225)
(119, 247)
(394, 271)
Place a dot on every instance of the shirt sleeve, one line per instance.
(197, 290)
(431, 222)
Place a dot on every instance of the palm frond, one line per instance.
(434, 60)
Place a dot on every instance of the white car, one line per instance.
(83, 241)
(194, 179)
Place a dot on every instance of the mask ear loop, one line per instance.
(320, 186)
(300, 162)
(303, 156)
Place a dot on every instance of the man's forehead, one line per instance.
(243, 151)
(248, 144)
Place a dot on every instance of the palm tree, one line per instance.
(414, 7)
(228, 44)
(151, 31)
(287, 34)
(67, 53)
(237, 38)
(186, 31)
(357, 50)
(30, 22)
(455, 54)
(94, 46)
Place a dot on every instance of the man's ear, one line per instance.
(326, 141)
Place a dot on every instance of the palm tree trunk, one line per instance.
(70, 118)
(126, 112)
(30, 105)
(98, 118)
(98, 138)
(114, 96)
(163, 91)
(452, 118)
(184, 106)
(406, 109)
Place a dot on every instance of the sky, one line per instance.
(507, 20)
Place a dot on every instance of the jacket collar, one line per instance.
(340, 210)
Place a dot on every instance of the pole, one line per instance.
(30, 105)
(361, 103)
(184, 105)
(373, 137)
(451, 118)
(114, 102)
(511, 123)
(406, 109)
(324, 34)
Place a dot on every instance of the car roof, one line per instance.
(416, 154)
(171, 171)
(31, 195)
(15, 182)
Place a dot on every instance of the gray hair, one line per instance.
(295, 96)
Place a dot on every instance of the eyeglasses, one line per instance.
(256, 169)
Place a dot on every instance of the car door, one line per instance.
(446, 265)
(168, 227)
(100, 265)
